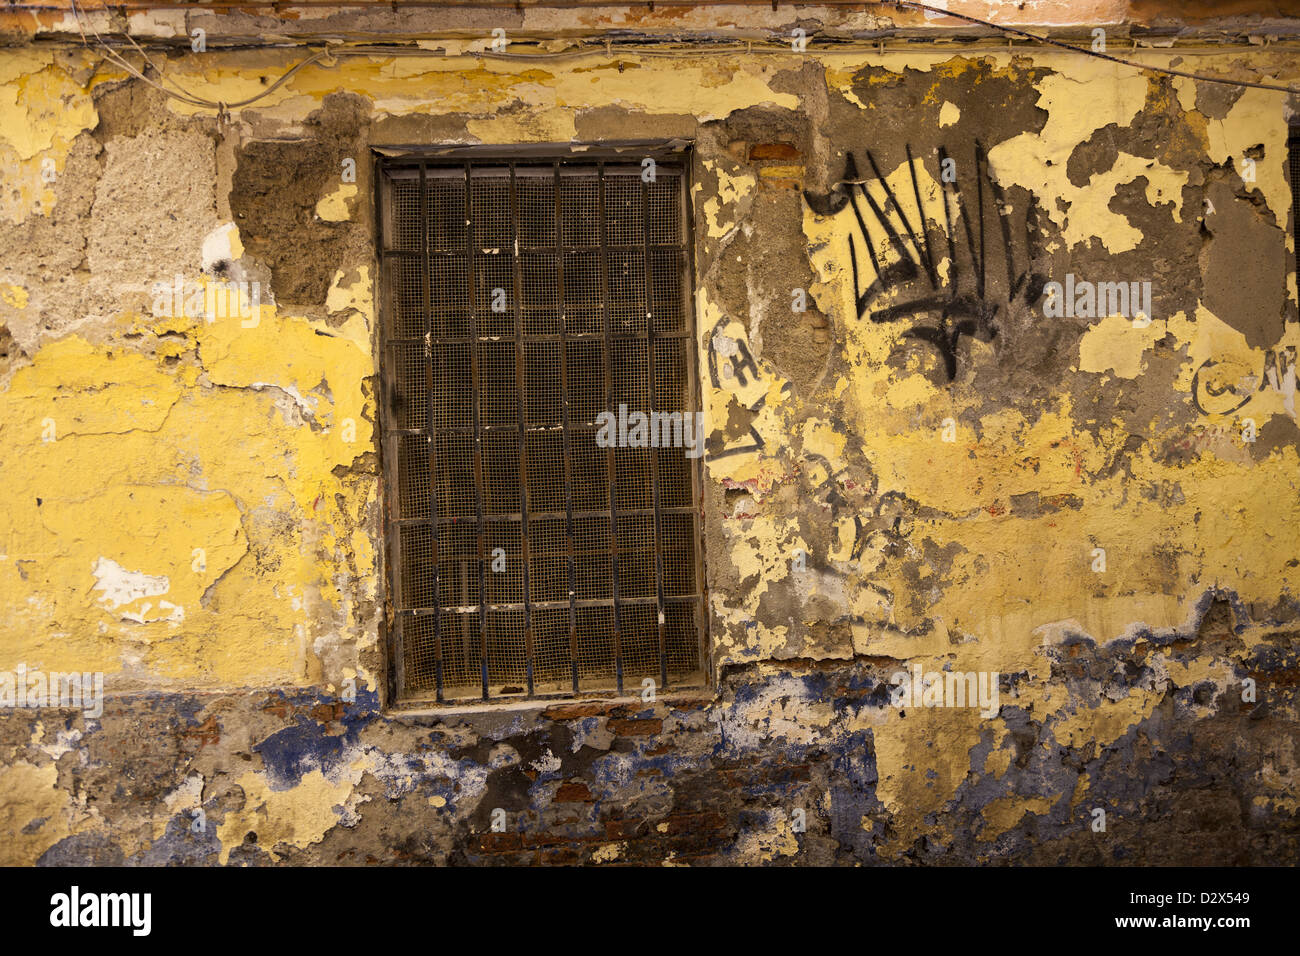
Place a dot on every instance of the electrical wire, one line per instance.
(179, 93)
(1168, 71)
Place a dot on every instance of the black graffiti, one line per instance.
(965, 302)
(1278, 373)
(740, 363)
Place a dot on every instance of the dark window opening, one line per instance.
(523, 297)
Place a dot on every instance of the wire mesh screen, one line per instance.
(539, 546)
(1293, 162)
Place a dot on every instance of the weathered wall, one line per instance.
(193, 507)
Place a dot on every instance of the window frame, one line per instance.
(1292, 160)
(680, 153)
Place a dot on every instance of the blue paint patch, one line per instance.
(295, 751)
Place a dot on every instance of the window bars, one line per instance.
(526, 295)
(1293, 164)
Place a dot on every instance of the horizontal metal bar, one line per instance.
(452, 521)
(591, 693)
(562, 246)
(548, 605)
(531, 337)
(540, 429)
(570, 156)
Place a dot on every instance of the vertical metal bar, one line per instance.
(519, 414)
(654, 452)
(686, 237)
(478, 430)
(392, 629)
(395, 596)
(609, 397)
(564, 431)
(393, 599)
(1293, 156)
(426, 278)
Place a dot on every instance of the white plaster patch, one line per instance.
(307, 406)
(121, 586)
(186, 796)
(65, 741)
(221, 245)
(547, 763)
(167, 611)
(949, 114)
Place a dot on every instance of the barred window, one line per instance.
(1293, 167)
(541, 435)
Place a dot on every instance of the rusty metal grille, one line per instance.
(523, 298)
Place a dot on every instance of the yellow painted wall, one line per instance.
(236, 439)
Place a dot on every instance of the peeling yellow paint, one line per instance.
(146, 491)
(1004, 813)
(30, 796)
(296, 817)
(14, 296)
(1115, 344)
(335, 206)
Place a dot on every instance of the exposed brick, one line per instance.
(697, 841)
(636, 728)
(278, 707)
(561, 856)
(499, 842)
(773, 151)
(573, 791)
(624, 829)
(574, 711)
(207, 733)
(325, 713)
(691, 822)
(544, 838)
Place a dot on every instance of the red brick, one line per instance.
(624, 829)
(697, 841)
(499, 842)
(561, 856)
(773, 151)
(206, 733)
(692, 822)
(278, 707)
(544, 839)
(325, 713)
(636, 728)
(573, 711)
(573, 791)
